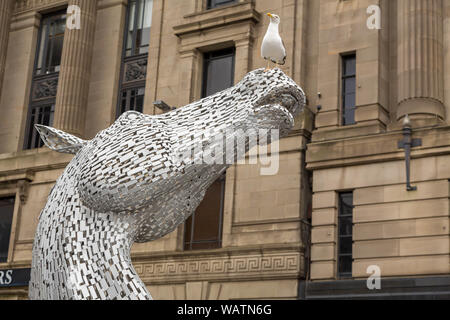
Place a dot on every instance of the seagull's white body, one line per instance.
(272, 47)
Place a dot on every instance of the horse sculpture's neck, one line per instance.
(80, 253)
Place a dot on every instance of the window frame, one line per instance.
(216, 54)
(343, 79)
(344, 274)
(50, 81)
(211, 4)
(191, 242)
(33, 139)
(13, 198)
(51, 17)
(126, 61)
(135, 29)
(232, 54)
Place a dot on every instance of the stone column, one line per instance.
(5, 18)
(73, 85)
(420, 59)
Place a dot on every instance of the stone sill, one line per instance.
(219, 17)
(343, 132)
(40, 159)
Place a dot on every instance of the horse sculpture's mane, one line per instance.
(124, 186)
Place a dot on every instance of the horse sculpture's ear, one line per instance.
(59, 141)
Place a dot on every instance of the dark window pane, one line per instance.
(349, 65)
(38, 115)
(346, 204)
(132, 100)
(140, 100)
(345, 226)
(345, 234)
(219, 71)
(349, 101)
(345, 266)
(349, 117)
(348, 89)
(217, 3)
(40, 63)
(349, 85)
(345, 245)
(131, 26)
(6, 215)
(203, 230)
(56, 52)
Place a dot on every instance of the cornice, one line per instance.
(198, 22)
(22, 6)
(376, 148)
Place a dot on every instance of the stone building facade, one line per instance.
(339, 202)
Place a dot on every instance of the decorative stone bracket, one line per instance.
(19, 181)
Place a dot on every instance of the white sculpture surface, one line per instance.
(126, 185)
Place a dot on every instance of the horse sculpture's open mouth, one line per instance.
(279, 107)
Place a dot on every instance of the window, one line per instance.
(39, 114)
(50, 44)
(135, 56)
(45, 77)
(211, 4)
(345, 235)
(218, 71)
(6, 216)
(203, 230)
(348, 89)
(138, 30)
(132, 99)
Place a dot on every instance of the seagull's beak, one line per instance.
(269, 14)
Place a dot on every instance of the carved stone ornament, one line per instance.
(45, 89)
(126, 185)
(136, 70)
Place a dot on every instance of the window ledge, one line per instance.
(35, 160)
(218, 17)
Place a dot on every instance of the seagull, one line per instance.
(272, 48)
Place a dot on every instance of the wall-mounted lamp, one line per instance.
(407, 143)
(164, 107)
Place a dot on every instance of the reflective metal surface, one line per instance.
(131, 184)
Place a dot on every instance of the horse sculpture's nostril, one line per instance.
(289, 102)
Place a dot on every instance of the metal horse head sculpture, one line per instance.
(126, 185)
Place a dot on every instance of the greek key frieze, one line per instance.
(234, 265)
